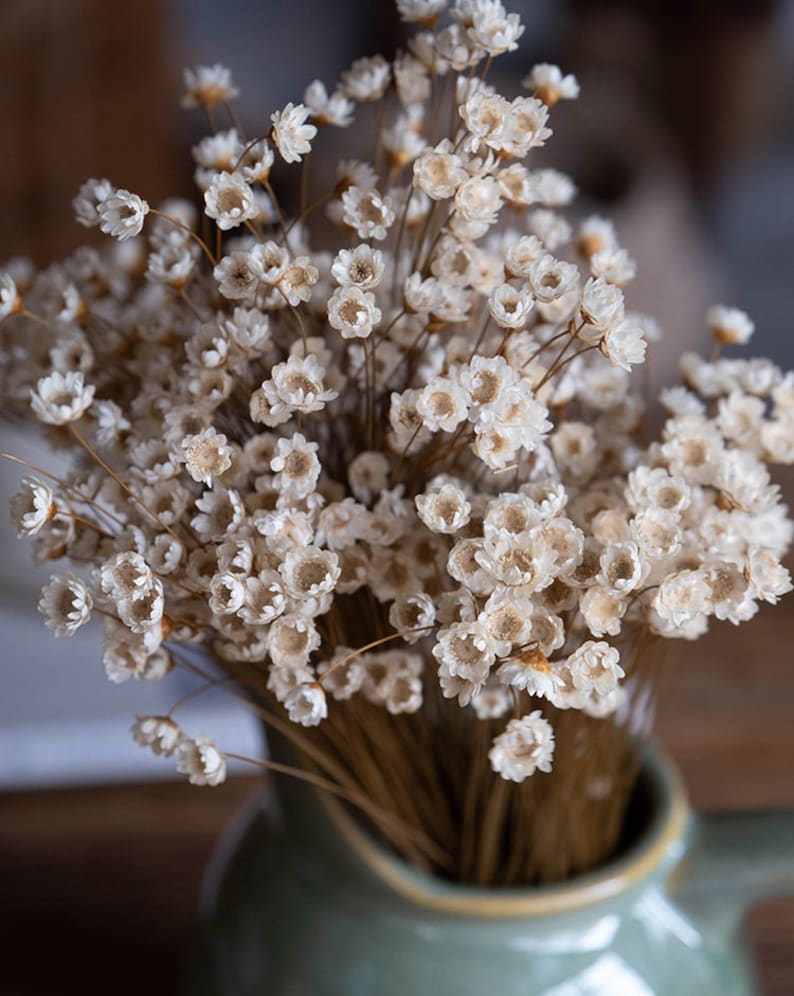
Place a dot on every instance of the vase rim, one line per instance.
(639, 860)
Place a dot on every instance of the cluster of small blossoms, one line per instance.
(413, 464)
(197, 757)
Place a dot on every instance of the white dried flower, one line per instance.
(309, 572)
(368, 475)
(438, 172)
(623, 568)
(613, 265)
(125, 575)
(328, 109)
(226, 594)
(343, 675)
(442, 405)
(292, 638)
(307, 704)
(575, 448)
(401, 691)
(296, 466)
(368, 213)
(465, 657)
(510, 308)
(602, 611)
(366, 79)
(207, 86)
(526, 746)
(201, 760)
(595, 669)
(61, 398)
(360, 267)
(121, 214)
(729, 591)
(424, 11)
(295, 386)
(264, 599)
(353, 312)
(768, 578)
(159, 733)
(412, 615)
(529, 671)
(221, 513)
(229, 201)
(257, 163)
(521, 257)
(291, 134)
(548, 84)
(624, 344)
(492, 701)
(143, 613)
(298, 279)
(682, 597)
(548, 278)
(526, 129)
(33, 507)
(86, 203)
(206, 455)
(444, 509)
(478, 200)
(493, 29)
(66, 604)
(238, 276)
(729, 325)
(601, 307)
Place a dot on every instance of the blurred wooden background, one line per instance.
(81, 82)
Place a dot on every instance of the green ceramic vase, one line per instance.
(299, 901)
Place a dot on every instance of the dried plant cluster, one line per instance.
(400, 491)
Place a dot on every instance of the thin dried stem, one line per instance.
(109, 470)
(370, 646)
(185, 228)
(65, 485)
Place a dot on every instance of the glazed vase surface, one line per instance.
(299, 901)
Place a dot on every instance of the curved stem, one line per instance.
(358, 799)
(65, 485)
(34, 317)
(92, 525)
(194, 692)
(190, 232)
(277, 209)
(369, 646)
(234, 119)
(109, 470)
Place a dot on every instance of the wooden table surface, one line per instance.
(98, 886)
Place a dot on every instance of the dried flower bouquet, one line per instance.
(402, 492)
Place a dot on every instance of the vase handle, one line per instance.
(735, 860)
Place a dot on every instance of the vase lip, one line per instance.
(639, 861)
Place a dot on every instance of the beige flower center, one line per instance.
(230, 200)
(292, 641)
(487, 388)
(297, 382)
(309, 574)
(352, 312)
(441, 403)
(298, 464)
(464, 650)
(361, 272)
(506, 623)
(447, 508)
